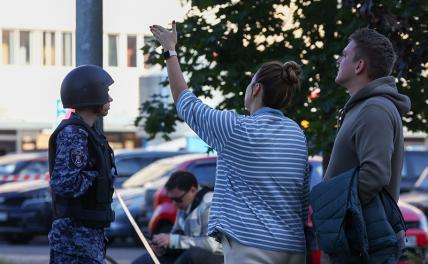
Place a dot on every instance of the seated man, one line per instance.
(188, 241)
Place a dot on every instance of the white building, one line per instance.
(38, 50)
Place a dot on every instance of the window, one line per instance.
(48, 48)
(132, 51)
(147, 39)
(414, 163)
(8, 47)
(35, 167)
(127, 167)
(24, 47)
(112, 50)
(67, 49)
(205, 173)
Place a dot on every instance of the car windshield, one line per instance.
(24, 163)
(416, 161)
(7, 168)
(156, 170)
(422, 182)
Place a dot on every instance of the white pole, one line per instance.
(137, 229)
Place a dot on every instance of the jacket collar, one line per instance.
(268, 110)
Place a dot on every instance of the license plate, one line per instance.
(410, 241)
(3, 216)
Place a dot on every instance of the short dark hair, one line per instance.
(376, 50)
(182, 180)
(279, 81)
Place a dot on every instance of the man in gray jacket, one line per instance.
(370, 132)
(188, 241)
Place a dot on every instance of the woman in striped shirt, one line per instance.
(260, 202)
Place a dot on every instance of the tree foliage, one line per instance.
(223, 42)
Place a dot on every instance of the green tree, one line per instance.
(223, 42)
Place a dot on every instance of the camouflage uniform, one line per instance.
(71, 242)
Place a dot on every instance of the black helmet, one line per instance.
(86, 85)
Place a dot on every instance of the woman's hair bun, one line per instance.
(291, 72)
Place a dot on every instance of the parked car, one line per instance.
(415, 161)
(138, 192)
(23, 166)
(25, 210)
(416, 235)
(25, 206)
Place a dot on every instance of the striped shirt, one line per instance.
(261, 187)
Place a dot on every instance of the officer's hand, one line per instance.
(168, 39)
(161, 240)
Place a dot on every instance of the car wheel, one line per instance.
(18, 239)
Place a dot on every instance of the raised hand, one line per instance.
(168, 39)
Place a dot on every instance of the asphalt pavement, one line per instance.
(37, 252)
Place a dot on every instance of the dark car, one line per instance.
(415, 161)
(25, 205)
(25, 210)
(23, 166)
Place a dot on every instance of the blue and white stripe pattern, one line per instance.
(261, 188)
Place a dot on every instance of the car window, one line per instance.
(128, 166)
(34, 167)
(205, 173)
(415, 163)
(422, 182)
(150, 173)
(7, 168)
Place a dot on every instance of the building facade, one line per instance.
(38, 49)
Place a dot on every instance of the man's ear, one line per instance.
(257, 89)
(194, 189)
(360, 67)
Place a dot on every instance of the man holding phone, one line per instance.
(188, 241)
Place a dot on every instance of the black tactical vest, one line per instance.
(92, 209)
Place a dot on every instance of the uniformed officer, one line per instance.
(80, 165)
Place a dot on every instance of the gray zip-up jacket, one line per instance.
(194, 227)
(371, 136)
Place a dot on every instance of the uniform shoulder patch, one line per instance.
(78, 157)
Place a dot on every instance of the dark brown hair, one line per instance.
(182, 180)
(279, 81)
(376, 50)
